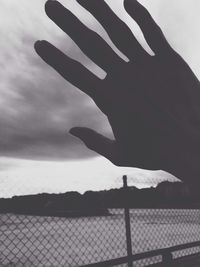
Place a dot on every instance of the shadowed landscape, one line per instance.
(96, 203)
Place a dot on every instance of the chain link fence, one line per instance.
(27, 240)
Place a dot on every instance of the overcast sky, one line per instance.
(38, 107)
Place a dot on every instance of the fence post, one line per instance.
(167, 259)
(128, 227)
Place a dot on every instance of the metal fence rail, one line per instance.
(127, 237)
(167, 257)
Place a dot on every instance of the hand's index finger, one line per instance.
(88, 41)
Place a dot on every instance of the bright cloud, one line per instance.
(31, 177)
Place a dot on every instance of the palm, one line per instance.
(146, 114)
(151, 102)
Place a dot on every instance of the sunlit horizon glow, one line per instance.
(32, 177)
(37, 107)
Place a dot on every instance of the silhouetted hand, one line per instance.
(152, 102)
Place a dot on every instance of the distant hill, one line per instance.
(96, 203)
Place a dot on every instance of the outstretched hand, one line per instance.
(152, 102)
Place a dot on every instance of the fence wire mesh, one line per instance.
(49, 241)
(27, 240)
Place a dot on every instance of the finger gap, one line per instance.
(137, 32)
(92, 23)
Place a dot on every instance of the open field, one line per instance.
(50, 242)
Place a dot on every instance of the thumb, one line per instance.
(96, 142)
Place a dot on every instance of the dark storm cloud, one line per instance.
(37, 106)
(37, 119)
